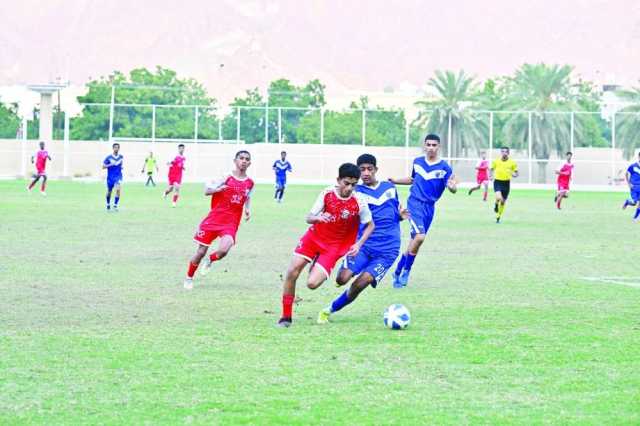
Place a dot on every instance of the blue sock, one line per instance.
(401, 262)
(117, 199)
(108, 199)
(341, 301)
(637, 213)
(409, 262)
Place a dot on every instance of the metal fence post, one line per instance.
(321, 126)
(573, 128)
(23, 160)
(65, 167)
(364, 127)
(613, 148)
(279, 125)
(111, 111)
(237, 125)
(195, 140)
(153, 125)
(530, 148)
(449, 138)
(491, 136)
(406, 146)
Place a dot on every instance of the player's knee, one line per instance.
(419, 239)
(313, 284)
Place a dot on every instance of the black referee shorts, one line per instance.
(504, 186)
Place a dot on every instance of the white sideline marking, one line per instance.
(628, 281)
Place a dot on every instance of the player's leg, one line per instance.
(486, 190)
(151, 179)
(43, 185)
(168, 190)
(224, 245)
(317, 276)
(275, 194)
(116, 199)
(361, 282)
(344, 276)
(176, 189)
(194, 262)
(635, 196)
(110, 186)
(283, 186)
(296, 266)
(562, 193)
(35, 180)
(474, 188)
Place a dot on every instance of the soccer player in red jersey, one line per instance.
(176, 167)
(40, 158)
(230, 197)
(482, 176)
(564, 179)
(335, 219)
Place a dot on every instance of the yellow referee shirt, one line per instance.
(503, 170)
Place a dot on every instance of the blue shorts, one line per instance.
(421, 216)
(113, 182)
(376, 264)
(635, 194)
(281, 182)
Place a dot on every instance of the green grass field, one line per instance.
(95, 326)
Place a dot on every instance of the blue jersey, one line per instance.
(429, 180)
(634, 175)
(114, 172)
(383, 203)
(281, 168)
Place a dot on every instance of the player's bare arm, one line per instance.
(402, 181)
(452, 184)
(353, 251)
(322, 217)
(247, 209)
(404, 213)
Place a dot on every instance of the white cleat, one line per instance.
(206, 267)
(44, 194)
(173, 205)
(188, 283)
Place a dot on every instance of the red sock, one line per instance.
(214, 257)
(175, 197)
(192, 269)
(287, 305)
(44, 183)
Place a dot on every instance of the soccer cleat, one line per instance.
(626, 203)
(497, 220)
(29, 189)
(404, 278)
(115, 209)
(396, 281)
(284, 322)
(323, 316)
(44, 194)
(555, 199)
(108, 208)
(164, 196)
(470, 191)
(206, 268)
(173, 204)
(188, 283)
(495, 208)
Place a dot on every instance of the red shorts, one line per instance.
(206, 237)
(481, 179)
(41, 172)
(325, 257)
(563, 186)
(175, 180)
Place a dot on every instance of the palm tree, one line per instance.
(545, 91)
(628, 123)
(455, 93)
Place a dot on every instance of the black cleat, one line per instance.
(284, 322)
(495, 208)
(497, 220)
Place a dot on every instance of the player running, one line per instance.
(230, 197)
(335, 219)
(113, 164)
(482, 176)
(633, 180)
(281, 167)
(176, 167)
(502, 170)
(380, 251)
(564, 180)
(40, 159)
(149, 166)
(429, 177)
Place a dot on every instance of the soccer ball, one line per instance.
(396, 317)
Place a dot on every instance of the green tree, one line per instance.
(9, 121)
(455, 94)
(142, 87)
(547, 92)
(628, 122)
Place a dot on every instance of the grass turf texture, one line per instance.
(95, 326)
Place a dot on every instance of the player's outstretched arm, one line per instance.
(515, 174)
(214, 187)
(402, 181)
(322, 217)
(452, 184)
(353, 251)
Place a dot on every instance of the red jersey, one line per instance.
(177, 165)
(482, 170)
(41, 160)
(565, 174)
(227, 205)
(346, 215)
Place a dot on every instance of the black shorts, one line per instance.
(503, 186)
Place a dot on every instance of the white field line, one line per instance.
(628, 281)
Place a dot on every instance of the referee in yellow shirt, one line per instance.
(502, 170)
(149, 165)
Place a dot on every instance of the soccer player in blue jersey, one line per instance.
(430, 175)
(381, 249)
(281, 167)
(113, 164)
(633, 180)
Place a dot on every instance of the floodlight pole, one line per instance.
(113, 99)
